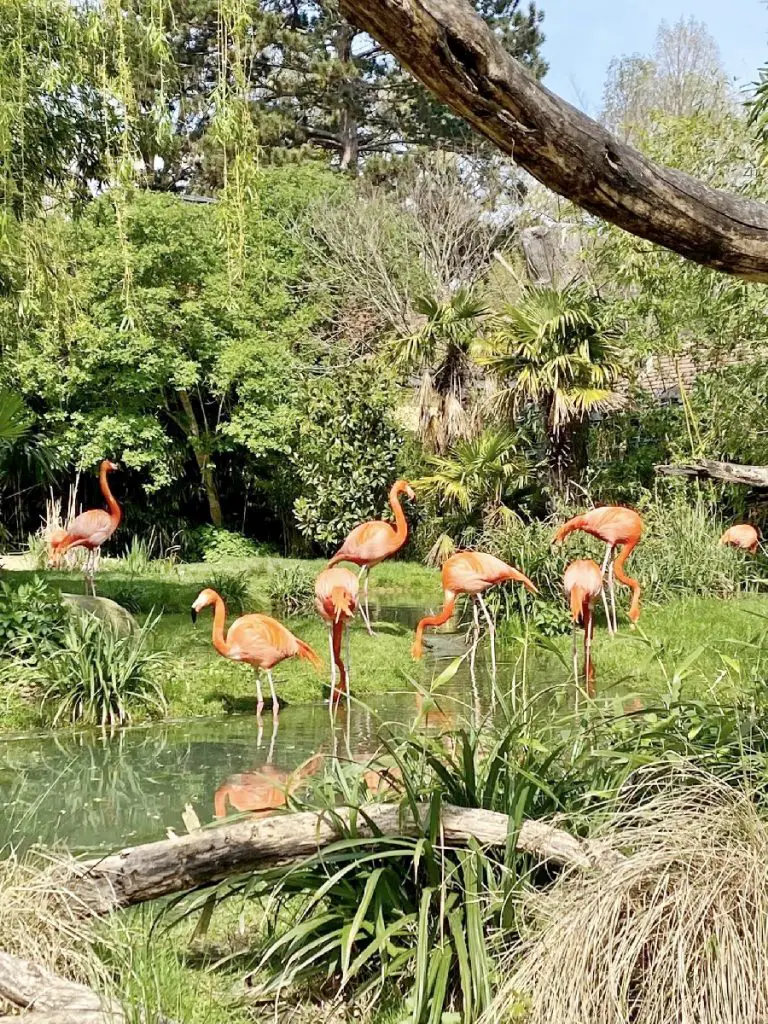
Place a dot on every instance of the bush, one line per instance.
(292, 590)
(129, 594)
(214, 543)
(91, 674)
(233, 588)
(29, 614)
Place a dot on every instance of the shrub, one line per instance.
(29, 614)
(292, 590)
(137, 556)
(233, 587)
(129, 594)
(214, 543)
(94, 675)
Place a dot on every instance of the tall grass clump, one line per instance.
(233, 587)
(677, 930)
(292, 590)
(94, 675)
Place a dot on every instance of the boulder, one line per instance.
(103, 608)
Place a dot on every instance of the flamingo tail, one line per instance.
(342, 602)
(305, 651)
(578, 601)
(433, 620)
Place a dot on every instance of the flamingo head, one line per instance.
(110, 467)
(55, 540)
(404, 487)
(203, 599)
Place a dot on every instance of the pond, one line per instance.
(96, 793)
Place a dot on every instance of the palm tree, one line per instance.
(440, 348)
(14, 421)
(476, 483)
(553, 348)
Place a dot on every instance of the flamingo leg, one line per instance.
(587, 660)
(575, 656)
(333, 668)
(491, 633)
(608, 550)
(475, 639)
(271, 753)
(349, 674)
(364, 603)
(259, 694)
(612, 586)
(275, 705)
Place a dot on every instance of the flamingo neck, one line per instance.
(589, 671)
(628, 581)
(433, 620)
(218, 638)
(337, 633)
(115, 512)
(401, 523)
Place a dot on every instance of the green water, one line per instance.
(97, 793)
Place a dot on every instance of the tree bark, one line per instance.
(52, 998)
(203, 459)
(142, 873)
(454, 53)
(728, 472)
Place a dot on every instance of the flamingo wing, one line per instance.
(260, 640)
(368, 543)
(92, 527)
(472, 572)
(613, 524)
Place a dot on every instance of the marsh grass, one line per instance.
(677, 931)
(292, 590)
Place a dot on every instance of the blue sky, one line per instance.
(583, 36)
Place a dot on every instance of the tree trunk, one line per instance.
(567, 453)
(28, 986)
(348, 125)
(203, 459)
(147, 872)
(727, 472)
(456, 55)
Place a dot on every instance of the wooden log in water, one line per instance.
(728, 472)
(141, 873)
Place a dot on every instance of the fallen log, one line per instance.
(455, 54)
(710, 469)
(141, 873)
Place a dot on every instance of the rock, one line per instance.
(103, 608)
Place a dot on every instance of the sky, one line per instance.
(583, 36)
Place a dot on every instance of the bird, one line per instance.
(256, 640)
(583, 584)
(372, 542)
(743, 536)
(470, 572)
(89, 530)
(264, 791)
(615, 526)
(336, 602)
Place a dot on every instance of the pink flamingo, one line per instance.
(89, 530)
(583, 584)
(372, 542)
(470, 572)
(336, 602)
(743, 536)
(257, 640)
(615, 526)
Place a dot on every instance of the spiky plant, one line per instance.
(554, 348)
(440, 348)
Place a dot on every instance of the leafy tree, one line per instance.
(555, 348)
(346, 451)
(315, 81)
(440, 348)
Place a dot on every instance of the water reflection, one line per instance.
(96, 794)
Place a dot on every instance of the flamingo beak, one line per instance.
(194, 616)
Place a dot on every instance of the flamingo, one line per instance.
(89, 530)
(336, 603)
(470, 572)
(583, 584)
(743, 536)
(263, 791)
(257, 640)
(372, 542)
(614, 525)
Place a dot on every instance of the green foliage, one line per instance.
(292, 590)
(214, 544)
(346, 452)
(233, 587)
(30, 614)
(94, 675)
(728, 406)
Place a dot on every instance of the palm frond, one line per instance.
(14, 420)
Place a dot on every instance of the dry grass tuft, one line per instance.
(677, 932)
(43, 921)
